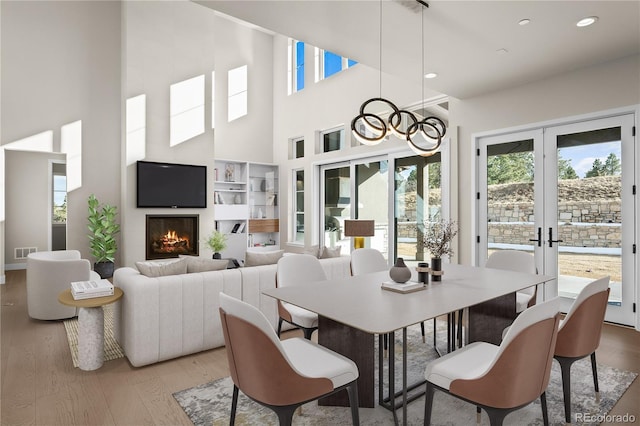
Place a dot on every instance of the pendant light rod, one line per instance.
(424, 3)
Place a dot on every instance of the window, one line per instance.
(237, 88)
(295, 67)
(59, 213)
(213, 99)
(331, 140)
(298, 207)
(186, 105)
(297, 148)
(136, 108)
(328, 63)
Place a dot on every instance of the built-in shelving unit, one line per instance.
(246, 206)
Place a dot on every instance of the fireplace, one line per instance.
(171, 235)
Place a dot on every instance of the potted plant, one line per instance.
(217, 242)
(102, 230)
(437, 240)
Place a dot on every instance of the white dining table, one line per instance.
(352, 310)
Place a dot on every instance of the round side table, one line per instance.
(90, 327)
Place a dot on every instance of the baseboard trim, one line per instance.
(2, 279)
(14, 266)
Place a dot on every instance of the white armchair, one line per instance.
(48, 274)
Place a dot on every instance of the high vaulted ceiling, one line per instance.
(463, 39)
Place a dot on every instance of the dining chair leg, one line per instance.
(234, 405)
(279, 326)
(428, 403)
(285, 414)
(434, 332)
(594, 369)
(496, 415)
(478, 414)
(460, 313)
(422, 330)
(352, 390)
(565, 369)
(545, 413)
(307, 332)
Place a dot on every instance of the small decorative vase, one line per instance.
(436, 269)
(399, 272)
(217, 256)
(237, 199)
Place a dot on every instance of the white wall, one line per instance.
(60, 64)
(610, 85)
(167, 42)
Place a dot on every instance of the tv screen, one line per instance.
(171, 185)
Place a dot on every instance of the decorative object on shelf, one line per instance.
(399, 272)
(423, 272)
(437, 239)
(358, 229)
(237, 199)
(217, 242)
(423, 136)
(102, 230)
(229, 172)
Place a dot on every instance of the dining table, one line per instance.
(353, 310)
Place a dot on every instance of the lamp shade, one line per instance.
(359, 228)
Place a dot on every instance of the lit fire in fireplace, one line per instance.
(171, 242)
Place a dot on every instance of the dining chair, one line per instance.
(579, 334)
(505, 378)
(367, 260)
(280, 375)
(519, 261)
(293, 270)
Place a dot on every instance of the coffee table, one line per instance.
(90, 327)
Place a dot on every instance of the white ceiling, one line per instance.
(462, 38)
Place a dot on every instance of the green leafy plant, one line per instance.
(217, 241)
(102, 230)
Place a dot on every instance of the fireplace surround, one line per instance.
(169, 236)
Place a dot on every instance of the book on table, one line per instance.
(89, 289)
(408, 287)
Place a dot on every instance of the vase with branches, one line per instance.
(436, 240)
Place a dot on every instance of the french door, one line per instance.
(564, 193)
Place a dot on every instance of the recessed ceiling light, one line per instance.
(585, 22)
(430, 75)
(524, 21)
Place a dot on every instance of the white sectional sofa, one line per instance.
(167, 317)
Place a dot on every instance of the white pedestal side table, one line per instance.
(90, 327)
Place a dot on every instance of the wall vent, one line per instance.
(23, 252)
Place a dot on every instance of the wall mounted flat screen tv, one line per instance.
(171, 185)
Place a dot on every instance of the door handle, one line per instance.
(551, 240)
(539, 239)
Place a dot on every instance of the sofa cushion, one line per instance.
(255, 258)
(162, 268)
(328, 252)
(204, 264)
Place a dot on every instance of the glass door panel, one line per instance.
(418, 199)
(371, 201)
(591, 216)
(336, 206)
(510, 174)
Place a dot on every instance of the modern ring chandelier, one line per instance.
(424, 136)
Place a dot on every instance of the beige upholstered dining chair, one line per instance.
(501, 379)
(292, 270)
(280, 375)
(367, 260)
(49, 273)
(579, 334)
(519, 261)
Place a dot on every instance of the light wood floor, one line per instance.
(40, 386)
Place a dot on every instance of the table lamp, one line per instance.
(358, 229)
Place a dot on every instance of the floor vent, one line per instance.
(23, 252)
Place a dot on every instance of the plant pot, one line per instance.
(217, 256)
(436, 269)
(104, 269)
(400, 273)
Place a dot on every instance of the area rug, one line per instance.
(112, 349)
(210, 403)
